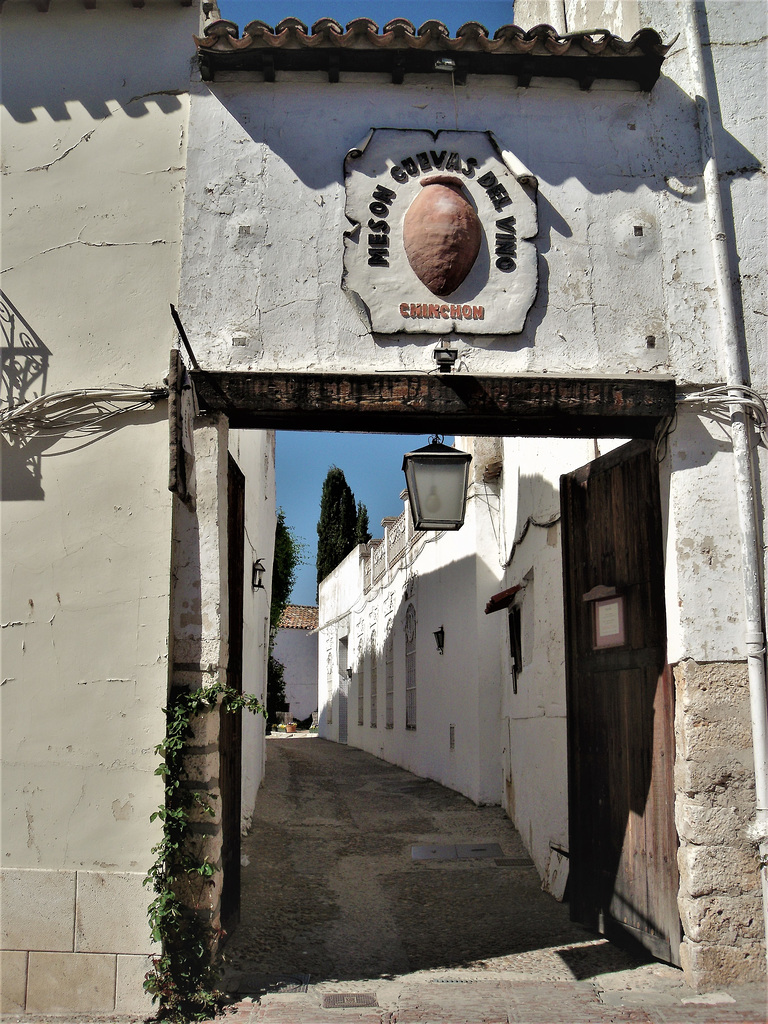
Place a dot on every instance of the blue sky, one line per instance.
(372, 464)
(453, 13)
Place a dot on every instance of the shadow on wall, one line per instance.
(24, 358)
(628, 148)
(112, 66)
(78, 423)
(579, 145)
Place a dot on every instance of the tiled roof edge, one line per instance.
(401, 48)
(299, 616)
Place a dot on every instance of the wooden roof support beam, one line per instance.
(526, 405)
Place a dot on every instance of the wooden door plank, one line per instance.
(620, 706)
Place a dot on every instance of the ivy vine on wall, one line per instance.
(184, 974)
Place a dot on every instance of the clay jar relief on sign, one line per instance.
(441, 234)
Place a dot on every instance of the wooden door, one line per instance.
(623, 843)
(230, 733)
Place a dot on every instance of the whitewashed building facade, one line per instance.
(102, 606)
(383, 686)
(637, 168)
(295, 648)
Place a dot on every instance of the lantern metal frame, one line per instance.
(427, 459)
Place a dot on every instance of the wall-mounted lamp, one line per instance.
(257, 575)
(445, 64)
(445, 355)
(349, 673)
(439, 636)
(436, 477)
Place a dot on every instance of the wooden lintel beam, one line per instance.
(445, 403)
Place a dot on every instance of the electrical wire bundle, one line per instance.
(723, 395)
(84, 411)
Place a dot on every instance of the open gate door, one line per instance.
(230, 726)
(620, 703)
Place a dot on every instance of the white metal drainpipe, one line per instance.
(741, 434)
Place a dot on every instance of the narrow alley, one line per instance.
(375, 896)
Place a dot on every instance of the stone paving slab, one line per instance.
(449, 1001)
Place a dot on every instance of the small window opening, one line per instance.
(515, 644)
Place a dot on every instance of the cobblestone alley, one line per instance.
(342, 922)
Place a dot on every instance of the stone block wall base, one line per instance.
(73, 983)
(130, 996)
(74, 942)
(707, 966)
(719, 899)
(13, 981)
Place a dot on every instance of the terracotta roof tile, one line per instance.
(298, 616)
(400, 49)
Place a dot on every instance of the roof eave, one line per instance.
(585, 57)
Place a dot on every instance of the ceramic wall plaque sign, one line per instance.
(441, 238)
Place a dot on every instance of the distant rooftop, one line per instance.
(298, 616)
(401, 49)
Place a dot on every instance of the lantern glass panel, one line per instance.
(437, 488)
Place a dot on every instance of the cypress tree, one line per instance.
(287, 558)
(363, 530)
(337, 525)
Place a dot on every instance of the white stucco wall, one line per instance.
(533, 743)
(626, 286)
(333, 608)
(254, 452)
(447, 578)
(94, 147)
(606, 166)
(296, 650)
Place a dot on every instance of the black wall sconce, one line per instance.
(439, 636)
(257, 576)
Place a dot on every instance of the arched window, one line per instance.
(360, 681)
(389, 682)
(329, 705)
(410, 667)
(374, 682)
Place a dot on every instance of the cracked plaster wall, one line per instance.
(94, 151)
(626, 278)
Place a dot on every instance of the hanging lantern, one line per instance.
(436, 477)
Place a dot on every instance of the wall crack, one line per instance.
(65, 154)
(81, 241)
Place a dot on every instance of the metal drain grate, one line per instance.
(339, 1000)
(513, 862)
